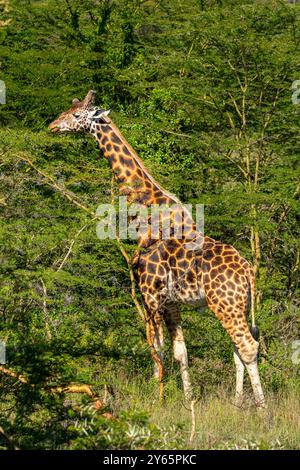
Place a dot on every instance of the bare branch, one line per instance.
(72, 244)
(51, 182)
(242, 170)
(193, 417)
(45, 310)
(8, 439)
(72, 388)
(19, 377)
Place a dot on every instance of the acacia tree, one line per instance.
(251, 64)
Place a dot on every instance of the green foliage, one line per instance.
(202, 91)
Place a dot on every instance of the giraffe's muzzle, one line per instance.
(54, 127)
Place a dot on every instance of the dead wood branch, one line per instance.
(193, 418)
(45, 310)
(19, 377)
(73, 388)
(73, 243)
(10, 443)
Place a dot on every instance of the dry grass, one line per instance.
(220, 424)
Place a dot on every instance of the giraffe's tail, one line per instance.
(253, 329)
(255, 332)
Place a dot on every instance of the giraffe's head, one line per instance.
(82, 116)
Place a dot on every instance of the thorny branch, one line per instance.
(10, 443)
(86, 389)
(73, 242)
(45, 310)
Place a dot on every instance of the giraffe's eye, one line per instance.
(76, 115)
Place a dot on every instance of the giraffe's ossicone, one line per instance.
(190, 268)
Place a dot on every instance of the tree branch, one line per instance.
(8, 439)
(45, 310)
(73, 388)
(72, 244)
(51, 182)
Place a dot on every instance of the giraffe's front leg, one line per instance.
(173, 322)
(156, 353)
(154, 330)
(158, 343)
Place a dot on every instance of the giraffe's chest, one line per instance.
(186, 289)
(173, 278)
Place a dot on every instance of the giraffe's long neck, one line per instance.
(133, 178)
(130, 173)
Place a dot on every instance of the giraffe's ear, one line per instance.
(100, 114)
(104, 115)
(96, 113)
(106, 112)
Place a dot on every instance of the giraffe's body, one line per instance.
(190, 269)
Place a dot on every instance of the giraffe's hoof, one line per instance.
(238, 402)
(189, 395)
(261, 406)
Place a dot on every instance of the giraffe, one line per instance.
(171, 270)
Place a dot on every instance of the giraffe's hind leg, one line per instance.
(240, 368)
(247, 348)
(236, 325)
(255, 382)
(173, 322)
